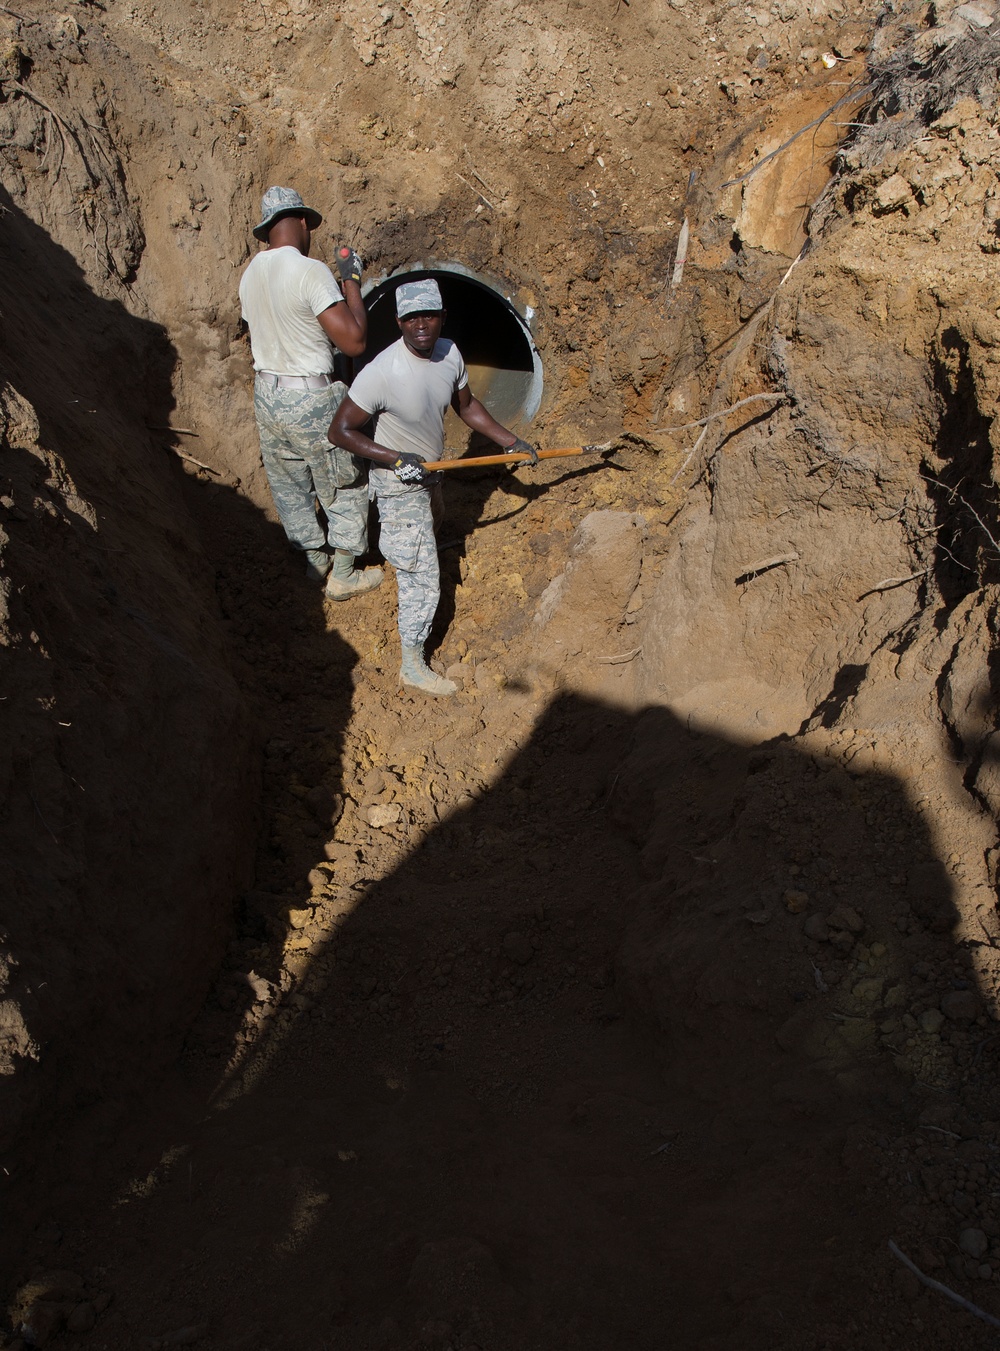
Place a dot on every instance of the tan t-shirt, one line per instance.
(281, 293)
(410, 396)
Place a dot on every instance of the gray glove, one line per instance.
(410, 469)
(524, 448)
(348, 264)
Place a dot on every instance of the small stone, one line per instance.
(961, 1006)
(298, 919)
(893, 193)
(759, 917)
(851, 40)
(976, 16)
(518, 947)
(974, 1242)
(41, 1322)
(384, 814)
(317, 878)
(796, 901)
(868, 989)
(816, 928)
(82, 1319)
(931, 1021)
(845, 917)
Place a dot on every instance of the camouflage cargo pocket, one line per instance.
(346, 471)
(403, 542)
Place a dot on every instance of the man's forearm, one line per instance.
(474, 415)
(351, 292)
(363, 446)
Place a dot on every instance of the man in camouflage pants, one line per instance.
(408, 388)
(295, 310)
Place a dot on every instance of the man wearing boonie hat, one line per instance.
(408, 388)
(295, 311)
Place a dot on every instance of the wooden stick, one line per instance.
(181, 431)
(191, 460)
(890, 583)
(943, 1289)
(478, 461)
(754, 569)
(619, 657)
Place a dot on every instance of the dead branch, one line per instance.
(472, 188)
(191, 460)
(181, 431)
(64, 127)
(712, 417)
(689, 456)
(890, 583)
(931, 1284)
(620, 657)
(680, 258)
(765, 565)
(955, 495)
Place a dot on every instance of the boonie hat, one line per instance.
(283, 202)
(415, 297)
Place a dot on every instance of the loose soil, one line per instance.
(646, 990)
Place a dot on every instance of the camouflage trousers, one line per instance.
(406, 514)
(303, 468)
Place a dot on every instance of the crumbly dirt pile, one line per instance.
(647, 987)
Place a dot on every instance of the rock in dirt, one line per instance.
(82, 1319)
(796, 901)
(816, 928)
(518, 947)
(298, 919)
(847, 919)
(931, 1021)
(974, 1242)
(262, 989)
(384, 814)
(41, 1323)
(961, 1006)
(893, 193)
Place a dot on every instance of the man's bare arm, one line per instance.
(345, 432)
(474, 415)
(346, 323)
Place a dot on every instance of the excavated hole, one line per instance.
(417, 1108)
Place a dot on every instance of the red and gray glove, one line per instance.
(348, 265)
(523, 448)
(410, 469)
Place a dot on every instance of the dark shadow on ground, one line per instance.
(572, 1074)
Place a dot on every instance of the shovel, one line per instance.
(482, 461)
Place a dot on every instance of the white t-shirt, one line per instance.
(281, 293)
(410, 396)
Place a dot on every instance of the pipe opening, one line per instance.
(505, 371)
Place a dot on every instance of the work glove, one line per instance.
(348, 264)
(524, 448)
(410, 469)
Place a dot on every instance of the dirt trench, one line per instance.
(644, 991)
